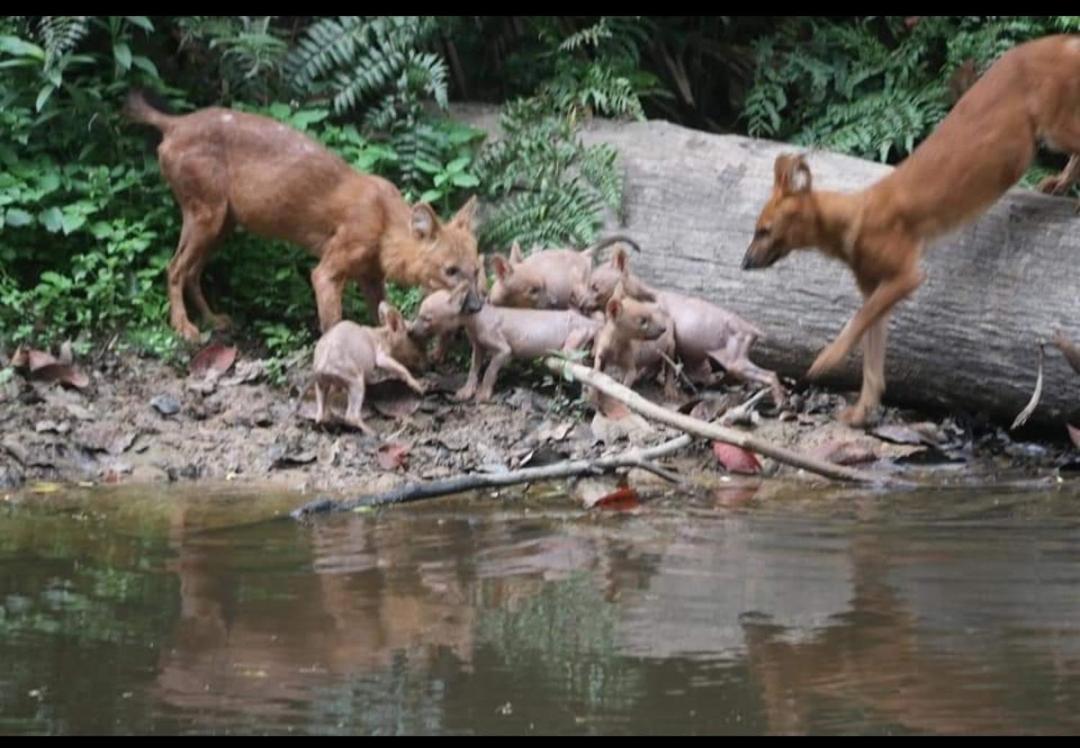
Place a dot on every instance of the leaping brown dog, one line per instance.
(974, 156)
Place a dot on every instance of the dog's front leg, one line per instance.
(883, 299)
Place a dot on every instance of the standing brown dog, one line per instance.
(227, 167)
(979, 150)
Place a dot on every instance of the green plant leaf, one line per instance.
(122, 53)
(18, 217)
(43, 96)
(52, 219)
(143, 22)
(17, 47)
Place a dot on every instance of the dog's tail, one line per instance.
(137, 109)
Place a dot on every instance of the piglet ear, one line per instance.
(516, 255)
(390, 316)
(502, 267)
(620, 260)
(614, 308)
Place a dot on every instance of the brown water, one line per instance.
(943, 612)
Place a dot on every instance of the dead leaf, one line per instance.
(213, 360)
(736, 459)
(63, 373)
(845, 453)
(710, 407)
(393, 456)
(605, 492)
(622, 499)
(1074, 434)
(45, 367)
(902, 434)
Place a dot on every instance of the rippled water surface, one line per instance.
(182, 612)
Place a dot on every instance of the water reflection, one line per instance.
(754, 611)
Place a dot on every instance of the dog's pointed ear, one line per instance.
(423, 221)
(464, 216)
(791, 174)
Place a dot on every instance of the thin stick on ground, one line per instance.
(639, 458)
(697, 427)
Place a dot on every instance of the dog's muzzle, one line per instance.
(473, 303)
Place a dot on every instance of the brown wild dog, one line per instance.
(229, 168)
(974, 156)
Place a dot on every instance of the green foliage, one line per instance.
(874, 87)
(250, 51)
(373, 60)
(548, 188)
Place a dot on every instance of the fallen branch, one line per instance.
(639, 458)
(697, 427)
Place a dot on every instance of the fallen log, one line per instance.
(966, 339)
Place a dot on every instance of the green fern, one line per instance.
(874, 87)
(369, 60)
(60, 35)
(548, 188)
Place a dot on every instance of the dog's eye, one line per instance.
(535, 290)
(452, 270)
(762, 232)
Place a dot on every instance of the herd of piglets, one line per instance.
(552, 300)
